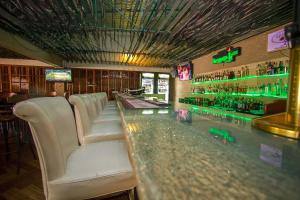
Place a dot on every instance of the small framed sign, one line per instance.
(277, 41)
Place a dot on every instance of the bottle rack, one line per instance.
(241, 79)
(258, 88)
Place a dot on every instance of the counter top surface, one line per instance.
(180, 154)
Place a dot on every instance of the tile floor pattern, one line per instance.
(28, 184)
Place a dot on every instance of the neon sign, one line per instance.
(226, 56)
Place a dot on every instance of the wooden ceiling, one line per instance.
(141, 32)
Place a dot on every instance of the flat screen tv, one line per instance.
(277, 41)
(185, 71)
(58, 75)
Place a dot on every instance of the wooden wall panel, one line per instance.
(24, 80)
(31, 80)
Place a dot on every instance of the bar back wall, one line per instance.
(253, 50)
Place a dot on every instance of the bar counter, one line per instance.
(183, 153)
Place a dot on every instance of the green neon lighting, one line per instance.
(241, 79)
(195, 108)
(222, 133)
(241, 94)
(227, 58)
(219, 112)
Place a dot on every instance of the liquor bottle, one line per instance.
(231, 75)
(285, 90)
(275, 68)
(225, 75)
(266, 91)
(247, 71)
(270, 69)
(243, 72)
(270, 89)
(236, 88)
(264, 68)
(262, 89)
(279, 87)
(239, 105)
(286, 66)
(261, 108)
(280, 68)
(238, 74)
(258, 70)
(274, 88)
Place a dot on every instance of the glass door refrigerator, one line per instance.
(163, 85)
(148, 82)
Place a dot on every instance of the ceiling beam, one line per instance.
(21, 46)
(117, 67)
(23, 62)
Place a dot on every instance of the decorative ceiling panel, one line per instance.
(141, 32)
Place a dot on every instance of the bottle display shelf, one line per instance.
(239, 95)
(223, 112)
(242, 79)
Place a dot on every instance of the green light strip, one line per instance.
(240, 94)
(240, 79)
(235, 116)
(222, 133)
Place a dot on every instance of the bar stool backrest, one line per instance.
(53, 128)
(90, 106)
(97, 103)
(82, 116)
(103, 97)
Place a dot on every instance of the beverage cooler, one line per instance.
(148, 82)
(163, 85)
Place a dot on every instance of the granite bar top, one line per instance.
(185, 153)
(131, 102)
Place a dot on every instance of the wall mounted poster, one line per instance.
(277, 41)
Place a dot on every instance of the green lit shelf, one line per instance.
(242, 79)
(219, 111)
(240, 94)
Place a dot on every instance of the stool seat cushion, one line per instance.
(103, 131)
(108, 117)
(105, 112)
(93, 170)
(109, 103)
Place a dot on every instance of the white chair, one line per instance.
(70, 171)
(108, 104)
(96, 110)
(88, 129)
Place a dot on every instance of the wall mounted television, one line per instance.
(185, 71)
(58, 75)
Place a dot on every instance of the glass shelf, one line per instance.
(241, 79)
(219, 111)
(240, 94)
